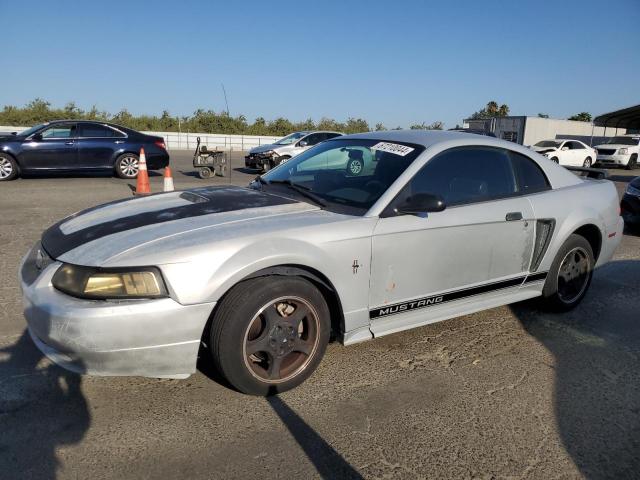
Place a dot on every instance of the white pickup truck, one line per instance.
(619, 151)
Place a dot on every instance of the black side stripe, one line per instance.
(454, 295)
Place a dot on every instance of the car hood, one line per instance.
(614, 146)
(264, 148)
(134, 230)
(544, 149)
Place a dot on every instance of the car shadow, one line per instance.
(621, 178)
(152, 173)
(42, 408)
(597, 389)
(248, 171)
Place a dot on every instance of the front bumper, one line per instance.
(150, 338)
(613, 160)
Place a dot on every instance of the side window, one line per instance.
(529, 175)
(331, 135)
(466, 175)
(313, 139)
(66, 130)
(96, 131)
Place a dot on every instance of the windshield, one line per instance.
(346, 176)
(624, 140)
(547, 144)
(291, 138)
(29, 131)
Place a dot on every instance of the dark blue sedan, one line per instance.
(79, 146)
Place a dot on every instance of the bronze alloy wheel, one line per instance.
(281, 339)
(573, 275)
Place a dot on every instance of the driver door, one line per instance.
(479, 244)
(55, 148)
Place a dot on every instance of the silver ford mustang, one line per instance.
(259, 278)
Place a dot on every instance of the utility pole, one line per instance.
(225, 97)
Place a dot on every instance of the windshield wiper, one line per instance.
(302, 190)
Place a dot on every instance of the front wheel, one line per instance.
(569, 276)
(587, 162)
(8, 168)
(127, 166)
(269, 334)
(633, 161)
(555, 159)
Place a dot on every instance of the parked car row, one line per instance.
(619, 151)
(79, 146)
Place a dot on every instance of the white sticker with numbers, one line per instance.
(394, 148)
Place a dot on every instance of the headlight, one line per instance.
(623, 151)
(103, 283)
(633, 191)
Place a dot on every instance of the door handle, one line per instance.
(513, 216)
(70, 142)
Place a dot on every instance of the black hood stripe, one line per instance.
(204, 201)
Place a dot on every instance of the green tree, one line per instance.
(581, 117)
(431, 126)
(491, 110)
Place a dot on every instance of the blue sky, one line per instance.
(397, 62)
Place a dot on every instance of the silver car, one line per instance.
(262, 277)
(265, 157)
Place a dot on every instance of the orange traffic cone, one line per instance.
(142, 186)
(168, 180)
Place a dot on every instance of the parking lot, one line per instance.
(504, 393)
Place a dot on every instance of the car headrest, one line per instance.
(355, 155)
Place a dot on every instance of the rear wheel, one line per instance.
(127, 165)
(8, 168)
(587, 162)
(355, 167)
(204, 172)
(570, 275)
(633, 161)
(269, 334)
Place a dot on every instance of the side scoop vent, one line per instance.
(544, 232)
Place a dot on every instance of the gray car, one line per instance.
(260, 278)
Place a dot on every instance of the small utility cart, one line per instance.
(209, 162)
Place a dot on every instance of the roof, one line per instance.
(626, 118)
(425, 138)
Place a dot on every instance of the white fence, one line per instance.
(188, 140)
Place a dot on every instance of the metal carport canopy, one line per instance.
(628, 118)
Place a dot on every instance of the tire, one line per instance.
(127, 166)
(633, 162)
(204, 173)
(240, 325)
(587, 162)
(555, 159)
(9, 169)
(567, 281)
(266, 166)
(355, 167)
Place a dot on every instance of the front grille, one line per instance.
(606, 151)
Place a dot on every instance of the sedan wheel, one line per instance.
(555, 159)
(355, 167)
(587, 162)
(127, 166)
(269, 334)
(8, 168)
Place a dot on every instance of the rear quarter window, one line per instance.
(529, 175)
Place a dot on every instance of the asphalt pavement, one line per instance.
(505, 393)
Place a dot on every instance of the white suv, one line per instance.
(620, 151)
(265, 157)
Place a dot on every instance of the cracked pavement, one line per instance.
(506, 393)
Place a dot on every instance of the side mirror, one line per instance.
(37, 137)
(422, 203)
(302, 143)
(564, 149)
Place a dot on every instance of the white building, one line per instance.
(530, 130)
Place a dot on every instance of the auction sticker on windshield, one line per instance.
(394, 148)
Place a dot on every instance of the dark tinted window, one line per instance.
(89, 130)
(331, 135)
(466, 175)
(529, 175)
(314, 138)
